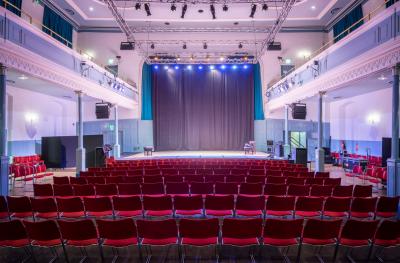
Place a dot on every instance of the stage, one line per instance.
(198, 154)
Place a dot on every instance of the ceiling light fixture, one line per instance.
(313, 7)
(147, 8)
(382, 77)
(240, 45)
(184, 46)
(152, 46)
(264, 7)
(205, 46)
(253, 10)
(173, 7)
(225, 8)
(23, 77)
(137, 6)
(184, 8)
(91, 9)
(212, 9)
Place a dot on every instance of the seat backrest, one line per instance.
(359, 230)
(60, 179)
(363, 204)
(45, 230)
(276, 180)
(223, 202)
(3, 205)
(295, 180)
(201, 188)
(12, 230)
(242, 228)
(43, 190)
(97, 204)
(157, 203)
(321, 190)
(332, 181)
(148, 179)
(256, 179)
(194, 202)
(44, 205)
(199, 228)
(322, 229)
(19, 204)
(388, 204)
(226, 188)
(275, 189)
(77, 180)
(156, 229)
(73, 230)
(133, 179)
(343, 191)
(173, 178)
(177, 188)
(106, 189)
(389, 230)
(63, 190)
(70, 204)
(306, 203)
(128, 203)
(84, 190)
(280, 203)
(250, 202)
(235, 179)
(337, 204)
(251, 188)
(153, 189)
(116, 229)
(362, 191)
(129, 189)
(283, 228)
(298, 190)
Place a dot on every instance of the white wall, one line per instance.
(375, 6)
(34, 10)
(103, 46)
(349, 117)
(55, 117)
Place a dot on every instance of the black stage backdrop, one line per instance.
(202, 109)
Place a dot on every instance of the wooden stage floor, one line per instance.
(198, 154)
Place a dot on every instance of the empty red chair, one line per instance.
(214, 178)
(309, 206)
(71, 207)
(221, 205)
(274, 173)
(362, 191)
(239, 171)
(387, 206)
(170, 171)
(363, 207)
(98, 206)
(63, 190)
(84, 190)
(275, 189)
(251, 189)
(79, 233)
(191, 178)
(19, 207)
(44, 208)
(356, 233)
(282, 232)
(280, 205)
(43, 190)
(256, 179)
(295, 180)
(156, 189)
(173, 179)
(95, 180)
(276, 180)
(150, 172)
(115, 179)
(199, 233)
(315, 181)
(201, 188)
(298, 190)
(129, 189)
(117, 233)
(242, 232)
(45, 234)
(151, 179)
(235, 179)
(77, 180)
(157, 205)
(321, 233)
(356, 171)
(60, 179)
(337, 206)
(226, 188)
(106, 189)
(257, 172)
(13, 235)
(187, 171)
(188, 205)
(127, 206)
(387, 236)
(177, 188)
(321, 190)
(250, 206)
(332, 181)
(133, 180)
(3, 208)
(322, 174)
(343, 191)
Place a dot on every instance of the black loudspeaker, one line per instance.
(386, 150)
(127, 46)
(300, 156)
(299, 111)
(274, 46)
(102, 110)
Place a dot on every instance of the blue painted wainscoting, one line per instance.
(374, 146)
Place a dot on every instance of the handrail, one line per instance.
(331, 42)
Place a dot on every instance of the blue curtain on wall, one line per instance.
(17, 3)
(391, 2)
(56, 23)
(355, 15)
(258, 102)
(147, 112)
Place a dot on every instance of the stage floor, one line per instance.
(199, 154)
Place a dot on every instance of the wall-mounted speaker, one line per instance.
(299, 111)
(102, 110)
(274, 46)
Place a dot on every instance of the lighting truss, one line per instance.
(286, 7)
(131, 3)
(200, 29)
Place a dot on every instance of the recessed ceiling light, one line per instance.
(110, 61)
(313, 7)
(23, 77)
(91, 9)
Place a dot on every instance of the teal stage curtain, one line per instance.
(17, 3)
(147, 111)
(258, 101)
(355, 15)
(56, 23)
(391, 2)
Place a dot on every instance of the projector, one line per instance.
(127, 46)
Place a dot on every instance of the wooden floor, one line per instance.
(198, 154)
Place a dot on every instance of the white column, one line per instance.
(3, 134)
(80, 151)
(319, 152)
(286, 146)
(117, 147)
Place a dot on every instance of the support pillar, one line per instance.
(80, 151)
(286, 146)
(393, 164)
(3, 134)
(319, 152)
(117, 147)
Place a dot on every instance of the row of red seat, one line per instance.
(209, 205)
(202, 189)
(28, 169)
(199, 232)
(195, 178)
(211, 160)
(372, 160)
(373, 174)
(26, 159)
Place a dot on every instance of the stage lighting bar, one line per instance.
(253, 10)
(184, 8)
(147, 9)
(201, 59)
(212, 10)
(277, 3)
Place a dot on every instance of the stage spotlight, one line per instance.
(212, 67)
(184, 8)
(223, 67)
(221, 58)
(152, 46)
(245, 67)
(166, 67)
(265, 7)
(234, 67)
(173, 7)
(184, 46)
(137, 6)
(189, 67)
(240, 45)
(212, 9)
(200, 67)
(225, 8)
(253, 10)
(155, 67)
(176, 67)
(147, 9)
(205, 46)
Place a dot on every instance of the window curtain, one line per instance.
(355, 15)
(17, 3)
(147, 111)
(57, 24)
(391, 2)
(258, 102)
